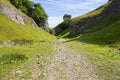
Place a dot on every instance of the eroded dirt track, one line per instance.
(69, 64)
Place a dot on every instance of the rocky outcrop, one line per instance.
(109, 15)
(43, 23)
(30, 20)
(83, 26)
(113, 8)
(11, 13)
(15, 15)
(58, 30)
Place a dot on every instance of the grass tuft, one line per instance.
(12, 58)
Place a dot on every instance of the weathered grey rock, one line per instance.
(43, 23)
(83, 26)
(8, 44)
(11, 13)
(57, 30)
(15, 15)
(113, 8)
(30, 20)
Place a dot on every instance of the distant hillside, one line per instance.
(95, 20)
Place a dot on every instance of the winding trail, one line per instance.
(69, 64)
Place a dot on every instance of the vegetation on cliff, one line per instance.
(34, 10)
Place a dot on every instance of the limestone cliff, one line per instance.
(15, 15)
(43, 23)
(94, 20)
(109, 15)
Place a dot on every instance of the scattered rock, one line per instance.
(38, 55)
(18, 72)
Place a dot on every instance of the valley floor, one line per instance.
(65, 64)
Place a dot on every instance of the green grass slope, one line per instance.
(77, 21)
(38, 42)
(10, 30)
(92, 13)
(107, 35)
(80, 18)
(108, 38)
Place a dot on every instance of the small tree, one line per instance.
(66, 17)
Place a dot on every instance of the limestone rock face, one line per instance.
(82, 26)
(97, 22)
(57, 30)
(11, 13)
(43, 23)
(113, 8)
(15, 15)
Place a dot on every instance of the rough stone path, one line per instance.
(65, 64)
(69, 64)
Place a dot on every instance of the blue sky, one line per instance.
(57, 8)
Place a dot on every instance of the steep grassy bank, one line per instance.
(32, 41)
(20, 43)
(10, 30)
(105, 41)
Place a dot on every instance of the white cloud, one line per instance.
(75, 5)
(54, 20)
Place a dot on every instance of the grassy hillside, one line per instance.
(12, 30)
(108, 34)
(93, 20)
(108, 38)
(105, 41)
(32, 40)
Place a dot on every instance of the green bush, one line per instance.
(52, 31)
(64, 25)
(12, 58)
(67, 17)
